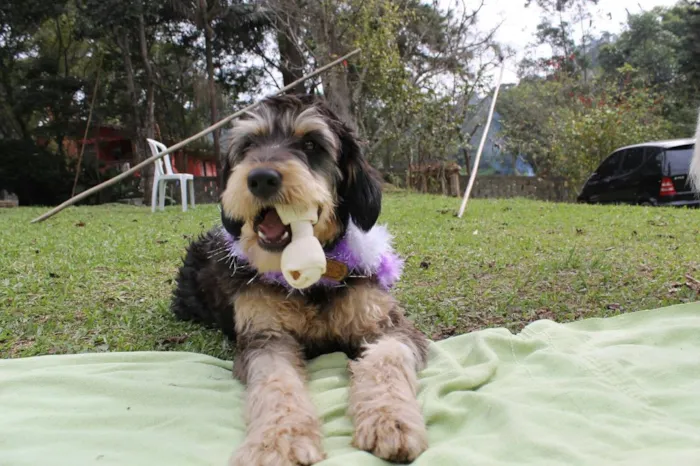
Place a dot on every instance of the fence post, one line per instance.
(454, 184)
(443, 180)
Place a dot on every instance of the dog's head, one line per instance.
(294, 150)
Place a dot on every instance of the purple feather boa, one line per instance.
(366, 254)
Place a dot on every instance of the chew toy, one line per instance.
(303, 260)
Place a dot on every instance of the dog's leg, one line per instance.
(387, 416)
(283, 428)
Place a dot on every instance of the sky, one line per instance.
(520, 23)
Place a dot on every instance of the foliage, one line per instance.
(583, 134)
(144, 64)
(35, 68)
(410, 89)
(408, 113)
(167, 68)
(560, 5)
(647, 47)
(39, 176)
(573, 108)
(36, 175)
(566, 130)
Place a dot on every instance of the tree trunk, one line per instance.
(335, 83)
(337, 93)
(386, 160)
(443, 180)
(454, 184)
(287, 24)
(467, 161)
(137, 143)
(292, 62)
(150, 120)
(583, 46)
(467, 156)
(424, 182)
(208, 35)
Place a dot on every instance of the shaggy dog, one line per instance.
(294, 150)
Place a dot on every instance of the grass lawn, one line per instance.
(99, 278)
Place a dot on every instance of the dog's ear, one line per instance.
(232, 225)
(360, 190)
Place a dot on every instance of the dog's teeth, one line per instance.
(285, 235)
(262, 235)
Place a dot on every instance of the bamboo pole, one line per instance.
(472, 177)
(181, 144)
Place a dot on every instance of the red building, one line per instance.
(111, 146)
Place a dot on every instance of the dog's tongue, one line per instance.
(272, 226)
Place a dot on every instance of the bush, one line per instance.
(565, 129)
(40, 177)
(36, 175)
(584, 134)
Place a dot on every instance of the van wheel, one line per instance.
(646, 204)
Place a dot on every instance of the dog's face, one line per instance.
(294, 150)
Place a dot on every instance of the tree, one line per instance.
(416, 61)
(647, 47)
(659, 49)
(223, 22)
(131, 35)
(526, 110)
(26, 68)
(169, 67)
(645, 87)
(560, 6)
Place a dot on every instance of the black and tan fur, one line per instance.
(320, 163)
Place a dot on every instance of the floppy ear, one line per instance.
(232, 225)
(360, 190)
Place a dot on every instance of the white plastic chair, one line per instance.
(163, 173)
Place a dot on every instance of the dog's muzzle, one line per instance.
(264, 183)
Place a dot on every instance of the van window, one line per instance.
(654, 157)
(609, 165)
(633, 159)
(678, 160)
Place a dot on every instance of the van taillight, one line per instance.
(667, 188)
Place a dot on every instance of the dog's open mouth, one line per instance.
(273, 235)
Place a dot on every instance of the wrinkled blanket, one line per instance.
(622, 390)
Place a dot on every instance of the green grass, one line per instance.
(99, 278)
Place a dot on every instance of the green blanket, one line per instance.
(624, 390)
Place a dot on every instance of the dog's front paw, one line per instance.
(398, 436)
(280, 446)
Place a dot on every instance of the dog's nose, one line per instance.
(264, 182)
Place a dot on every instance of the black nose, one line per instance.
(264, 182)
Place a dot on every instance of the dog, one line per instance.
(294, 150)
(695, 163)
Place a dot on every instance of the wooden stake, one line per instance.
(181, 144)
(472, 177)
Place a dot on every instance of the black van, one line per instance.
(653, 173)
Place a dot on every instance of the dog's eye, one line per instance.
(247, 144)
(309, 146)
